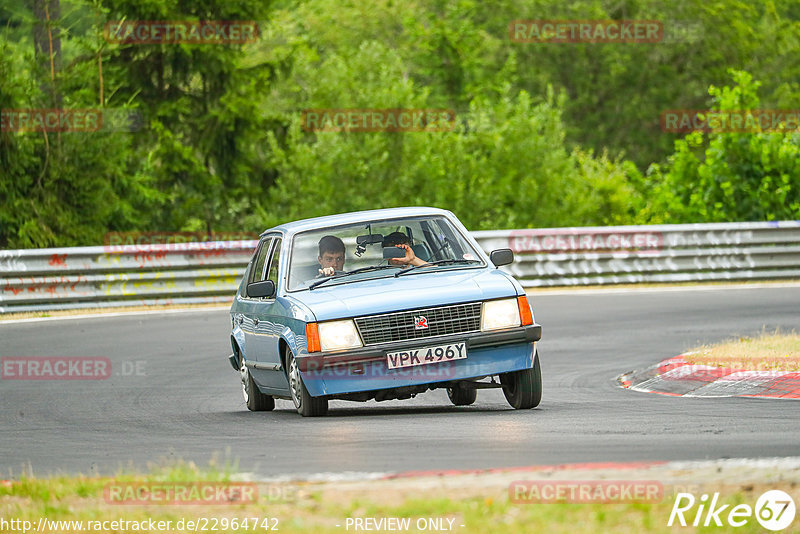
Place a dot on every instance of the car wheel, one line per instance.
(523, 388)
(306, 405)
(462, 396)
(253, 398)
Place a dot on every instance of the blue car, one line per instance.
(379, 305)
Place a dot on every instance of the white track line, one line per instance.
(154, 311)
(538, 290)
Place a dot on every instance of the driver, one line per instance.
(331, 255)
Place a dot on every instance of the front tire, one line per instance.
(523, 388)
(253, 398)
(306, 405)
(462, 396)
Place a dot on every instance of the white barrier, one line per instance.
(658, 253)
(131, 275)
(46, 279)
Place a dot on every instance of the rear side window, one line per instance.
(257, 272)
(274, 262)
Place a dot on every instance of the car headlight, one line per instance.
(498, 314)
(338, 335)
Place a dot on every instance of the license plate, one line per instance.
(426, 355)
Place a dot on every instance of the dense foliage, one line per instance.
(546, 134)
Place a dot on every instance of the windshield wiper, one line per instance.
(348, 273)
(438, 262)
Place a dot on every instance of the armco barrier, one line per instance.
(48, 279)
(128, 275)
(658, 253)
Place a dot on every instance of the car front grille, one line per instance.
(402, 326)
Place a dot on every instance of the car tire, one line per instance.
(253, 398)
(523, 388)
(306, 405)
(462, 396)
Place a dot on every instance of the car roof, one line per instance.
(355, 217)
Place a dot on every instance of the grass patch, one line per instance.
(773, 351)
(475, 505)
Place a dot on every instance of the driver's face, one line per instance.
(332, 259)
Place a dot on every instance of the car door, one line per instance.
(249, 305)
(269, 320)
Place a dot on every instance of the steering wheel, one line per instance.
(445, 243)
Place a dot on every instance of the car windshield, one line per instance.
(431, 239)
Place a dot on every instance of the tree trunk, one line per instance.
(47, 44)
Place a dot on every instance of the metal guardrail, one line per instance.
(129, 275)
(651, 254)
(132, 275)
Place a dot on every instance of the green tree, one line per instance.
(728, 176)
(204, 123)
(504, 166)
(60, 188)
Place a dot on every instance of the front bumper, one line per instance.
(365, 369)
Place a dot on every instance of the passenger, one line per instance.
(331, 255)
(401, 240)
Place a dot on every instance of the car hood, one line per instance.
(367, 297)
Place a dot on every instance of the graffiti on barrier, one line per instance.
(10, 261)
(554, 265)
(58, 260)
(50, 285)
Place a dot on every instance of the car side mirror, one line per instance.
(501, 256)
(393, 252)
(265, 288)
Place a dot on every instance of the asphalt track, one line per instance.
(186, 400)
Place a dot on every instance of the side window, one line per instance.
(273, 264)
(257, 272)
